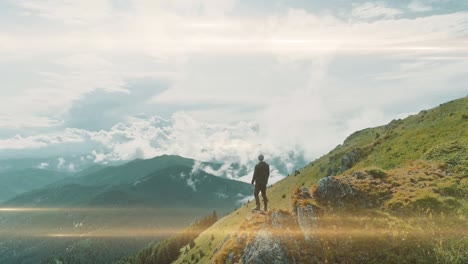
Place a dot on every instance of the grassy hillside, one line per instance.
(414, 167)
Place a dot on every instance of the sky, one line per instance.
(219, 80)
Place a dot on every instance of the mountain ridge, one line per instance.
(168, 198)
(15, 182)
(417, 157)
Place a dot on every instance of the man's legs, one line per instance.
(265, 199)
(257, 199)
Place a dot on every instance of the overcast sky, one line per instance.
(219, 79)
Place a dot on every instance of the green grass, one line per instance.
(419, 169)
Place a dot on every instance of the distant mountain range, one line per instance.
(162, 193)
(15, 182)
(162, 181)
(21, 175)
(70, 163)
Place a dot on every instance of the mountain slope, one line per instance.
(177, 186)
(167, 187)
(128, 172)
(165, 180)
(421, 160)
(122, 206)
(15, 182)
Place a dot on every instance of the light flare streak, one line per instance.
(92, 209)
(155, 232)
(328, 226)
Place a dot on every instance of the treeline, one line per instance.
(93, 250)
(168, 250)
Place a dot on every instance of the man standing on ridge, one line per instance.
(260, 178)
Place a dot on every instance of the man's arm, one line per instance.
(254, 175)
(268, 172)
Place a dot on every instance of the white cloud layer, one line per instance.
(375, 10)
(418, 6)
(235, 84)
(72, 12)
(53, 93)
(235, 145)
(43, 165)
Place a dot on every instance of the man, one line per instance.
(260, 178)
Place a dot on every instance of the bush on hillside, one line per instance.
(377, 173)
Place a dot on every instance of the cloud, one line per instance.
(244, 199)
(45, 103)
(19, 142)
(191, 184)
(296, 57)
(275, 176)
(235, 146)
(374, 10)
(197, 166)
(189, 180)
(222, 195)
(43, 165)
(26, 121)
(291, 84)
(101, 110)
(61, 163)
(418, 6)
(102, 56)
(71, 167)
(175, 31)
(70, 12)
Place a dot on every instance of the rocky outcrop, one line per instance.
(337, 165)
(280, 219)
(268, 245)
(306, 213)
(230, 258)
(362, 190)
(350, 159)
(333, 170)
(303, 193)
(308, 221)
(266, 249)
(396, 122)
(332, 191)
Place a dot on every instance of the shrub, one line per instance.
(377, 173)
(453, 188)
(428, 201)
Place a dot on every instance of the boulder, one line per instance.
(350, 159)
(303, 193)
(339, 192)
(306, 213)
(332, 190)
(280, 219)
(308, 221)
(266, 249)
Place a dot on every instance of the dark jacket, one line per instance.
(261, 174)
